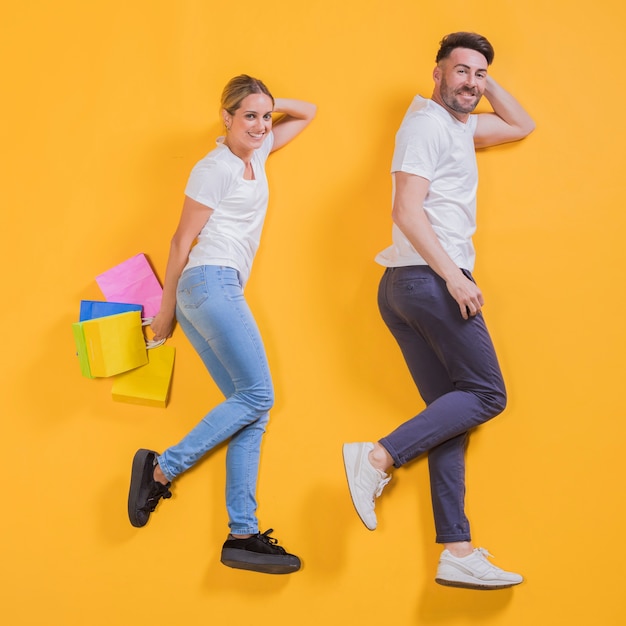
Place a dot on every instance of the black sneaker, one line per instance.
(259, 553)
(145, 492)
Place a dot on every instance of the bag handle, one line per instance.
(151, 343)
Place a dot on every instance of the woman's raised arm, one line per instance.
(297, 115)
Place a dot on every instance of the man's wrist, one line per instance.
(453, 274)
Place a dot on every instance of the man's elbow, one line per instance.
(397, 216)
(527, 128)
(524, 126)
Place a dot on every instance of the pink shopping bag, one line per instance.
(132, 282)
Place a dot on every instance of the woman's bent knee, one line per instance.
(261, 401)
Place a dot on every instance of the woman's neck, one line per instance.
(244, 155)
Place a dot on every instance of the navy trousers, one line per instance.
(455, 368)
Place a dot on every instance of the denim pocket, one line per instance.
(192, 289)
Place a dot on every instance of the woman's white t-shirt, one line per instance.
(232, 234)
(433, 144)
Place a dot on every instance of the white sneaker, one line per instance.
(473, 572)
(364, 480)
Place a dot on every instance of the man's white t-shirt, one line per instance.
(232, 234)
(433, 144)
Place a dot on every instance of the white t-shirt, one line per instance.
(433, 144)
(232, 234)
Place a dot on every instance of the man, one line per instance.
(431, 304)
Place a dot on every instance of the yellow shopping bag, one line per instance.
(110, 345)
(149, 384)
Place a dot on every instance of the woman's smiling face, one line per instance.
(250, 124)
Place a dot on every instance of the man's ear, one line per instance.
(437, 74)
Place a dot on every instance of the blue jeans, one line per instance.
(454, 366)
(215, 317)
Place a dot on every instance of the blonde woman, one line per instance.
(225, 203)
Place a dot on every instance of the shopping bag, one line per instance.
(91, 309)
(149, 384)
(110, 345)
(132, 281)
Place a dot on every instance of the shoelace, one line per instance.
(485, 553)
(381, 485)
(271, 541)
(158, 491)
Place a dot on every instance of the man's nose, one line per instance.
(470, 79)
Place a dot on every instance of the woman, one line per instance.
(224, 208)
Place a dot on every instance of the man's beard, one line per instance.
(449, 98)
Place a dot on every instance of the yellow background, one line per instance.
(106, 106)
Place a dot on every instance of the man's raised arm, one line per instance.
(508, 122)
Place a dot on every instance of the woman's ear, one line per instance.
(228, 118)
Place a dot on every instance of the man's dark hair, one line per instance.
(473, 41)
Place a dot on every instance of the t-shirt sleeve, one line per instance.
(417, 147)
(208, 182)
(473, 122)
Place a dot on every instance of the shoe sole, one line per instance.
(257, 562)
(349, 461)
(476, 586)
(136, 478)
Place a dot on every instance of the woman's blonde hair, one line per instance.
(239, 88)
